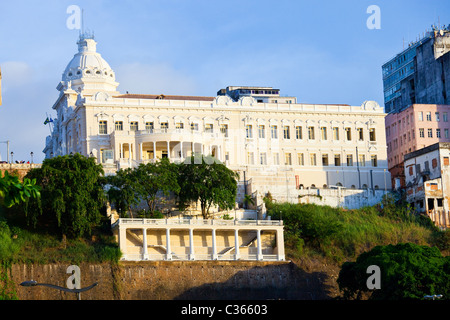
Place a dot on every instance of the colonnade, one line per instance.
(213, 255)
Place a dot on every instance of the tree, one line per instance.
(72, 194)
(130, 186)
(13, 191)
(207, 180)
(152, 178)
(407, 271)
(248, 199)
(122, 191)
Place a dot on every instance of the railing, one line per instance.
(197, 222)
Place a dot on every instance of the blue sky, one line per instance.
(319, 51)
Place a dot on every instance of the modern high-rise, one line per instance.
(419, 74)
(416, 98)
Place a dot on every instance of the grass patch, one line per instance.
(341, 235)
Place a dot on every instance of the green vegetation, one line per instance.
(412, 253)
(340, 235)
(206, 180)
(407, 271)
(129, 186)
(72, 195)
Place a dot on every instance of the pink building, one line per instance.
(416, 127)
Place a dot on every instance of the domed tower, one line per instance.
(86, 75)
(87, 72)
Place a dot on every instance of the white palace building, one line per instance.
(276, 144)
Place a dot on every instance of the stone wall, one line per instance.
(175, 280)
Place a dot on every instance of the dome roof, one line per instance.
(87, 63)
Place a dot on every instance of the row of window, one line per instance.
(437, 116)
(288, 160)
(409, 117)
(311, 132)
(103, 129)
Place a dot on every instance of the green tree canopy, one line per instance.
(13, 191)
(72, 194)
(131, 186)
(407, 271)
(207, 180)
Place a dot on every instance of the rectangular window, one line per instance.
(118, 125)
(420, 114)
(262, 158)
(349, 160)
(323, 132)
(337, 160)
(428, 116)
(250, 158)
(372, 136)
(336, 133)
(103, 127)
(224, 130)
(274, 132)
(421, 133)
(301, 159)
(312, 159)
(446, 133)
(261, 131)
(438, 133)
(430, 133)
(348, 134)
(311, 135)
(373, 160)
(209, 128)
(287, 134)
(362, 160)
(288, 159)
(445, 117)
(149, 126)
(436, 114)
(164, 125)
(325, 159)
(248, 131)
(194, 126)
(360, 134)
(133, 126)
(276, 160)
(298, 132)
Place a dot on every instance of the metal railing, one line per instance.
(198, 222)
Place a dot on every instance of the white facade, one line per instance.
(281, 147)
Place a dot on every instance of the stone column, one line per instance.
(141, 151)
(168, 149)
(121, 151)
(280, 244)
(123, 241)
(181, 149)
(168, 250)
(154, 150)
(191, 244)
(258, 241)
(237, 254)
(144, 244)
(214, 249)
